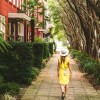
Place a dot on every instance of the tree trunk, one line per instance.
(32, 30)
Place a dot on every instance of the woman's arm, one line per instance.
(70, 67)
(58, 68)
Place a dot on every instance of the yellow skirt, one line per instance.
(64, 76)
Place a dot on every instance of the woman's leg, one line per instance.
(66, 89)
(63, 90)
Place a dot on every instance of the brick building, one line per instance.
(39, 27)
(18, 22)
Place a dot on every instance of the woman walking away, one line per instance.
(64, 71)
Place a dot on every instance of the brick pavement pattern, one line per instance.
(47, 87)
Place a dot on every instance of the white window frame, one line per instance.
(22, 8)
(20, 3)
(14, 34)
(20, 29)
(9, 28)
(17, 3)
(14, 2)
(2, 26)
(10, 0)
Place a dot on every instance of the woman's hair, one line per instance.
(63, 59)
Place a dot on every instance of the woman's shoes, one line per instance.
(62, 96)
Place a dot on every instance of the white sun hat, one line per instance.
(64, 52)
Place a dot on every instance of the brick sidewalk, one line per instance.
(46, 87)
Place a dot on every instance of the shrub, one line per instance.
(97, 73)
(17, 63)
(1, 79)
(54, 46)
(46, 54)
(35, 72)
(38, 49)
(45, 51)
(51, 48)
(37, 39)
(89, 65)
(10, 88)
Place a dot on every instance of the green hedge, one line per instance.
(41, 51)
(16, 64)
(88, 64)
(54, 46)
(22, 60)
(1, 79)
(46, 53)
(38, 49)
(21, 64)
(10, 88)
(97, 74)
(51, 48)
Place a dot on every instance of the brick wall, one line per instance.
(7, 7)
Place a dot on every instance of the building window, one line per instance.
(9, 28)
(14, 2)
(20, 4)
(17, 3)
(21, 31)
(10, 0)
(22, 8)
(23, 2)
(2, 25)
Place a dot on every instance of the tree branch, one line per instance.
(94, 7)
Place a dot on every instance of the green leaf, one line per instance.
(41, 13)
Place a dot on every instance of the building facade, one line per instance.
(40, 22)
(16, 20)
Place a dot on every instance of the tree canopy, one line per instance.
(79, 20)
